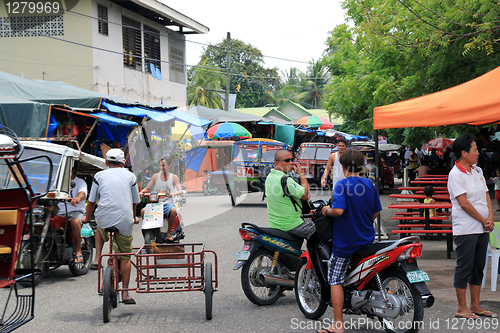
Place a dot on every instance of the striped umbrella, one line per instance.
(315, 122)
(228, 131)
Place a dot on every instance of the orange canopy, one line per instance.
(476, 102)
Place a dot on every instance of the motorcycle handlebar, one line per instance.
(306, 216)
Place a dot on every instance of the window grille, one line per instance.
(176, 56)
(31, 26)
(151, 48)
(132, 57)
(102, 16)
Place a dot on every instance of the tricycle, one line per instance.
(18, 196)
(253, 160)
(153, 262)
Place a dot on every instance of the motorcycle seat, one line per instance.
(368, 251)
(295, 240)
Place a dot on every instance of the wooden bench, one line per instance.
(418, 213)
(403, 226)
(448, 233)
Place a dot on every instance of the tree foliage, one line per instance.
(254, 84)
(203, 82)
(400, 49)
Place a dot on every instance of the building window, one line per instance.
(176, 58)
(132, 57)
(31, 26)
(102, 16)
(151, 48)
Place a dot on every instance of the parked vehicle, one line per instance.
(313, 157)
(383, 281)
(253, 160)
(386, 176)
(269, 259)
(155, 224)
(17, 198)
(53, 244)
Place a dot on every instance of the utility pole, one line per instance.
(228, 67)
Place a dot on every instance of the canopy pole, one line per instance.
(377, 182)
(187, 127)
(88, 134)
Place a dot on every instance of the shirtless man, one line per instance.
(334, 165)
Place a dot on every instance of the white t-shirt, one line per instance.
(116, 190)
(80, 186)
(474, 186)
(408, 154)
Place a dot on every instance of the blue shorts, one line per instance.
(337, 267)
(167, 207)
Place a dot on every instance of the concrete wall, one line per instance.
(110, 75)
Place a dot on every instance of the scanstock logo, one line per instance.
(27, 8)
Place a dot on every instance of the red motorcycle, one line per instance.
(383, 281)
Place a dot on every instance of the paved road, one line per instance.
(65, 303)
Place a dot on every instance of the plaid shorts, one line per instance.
(337, 267)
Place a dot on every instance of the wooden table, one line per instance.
(420, 188)
(421, 196)
(430, 182)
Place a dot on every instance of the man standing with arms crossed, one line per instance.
(116, 190)
(334, 165)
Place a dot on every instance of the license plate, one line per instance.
(417, 276)
(243, 255)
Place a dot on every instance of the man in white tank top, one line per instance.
(164, 181)
(334, 165)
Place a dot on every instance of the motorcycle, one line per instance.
(155, 226)
(53, 244)
(269, 259)
(382, 282)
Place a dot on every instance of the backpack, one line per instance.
(305, 205)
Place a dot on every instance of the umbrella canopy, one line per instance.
(315, 121)
(438, 144)
(181, 131)
(228, 131)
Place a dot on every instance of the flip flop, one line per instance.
(325, 330)
(486, 313)
(469, 315)
(129, 301)
(78, 259)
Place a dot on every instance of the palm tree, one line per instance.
(205, 80)
(311, 90)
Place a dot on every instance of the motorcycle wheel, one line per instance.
(255, 290)
(308, 297)
(149, 237)
(396, 283)
(205, 188)
(83, 267)
(108, 293)
(24, 261)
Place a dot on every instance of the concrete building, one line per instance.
(134, 49)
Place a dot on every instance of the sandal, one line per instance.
(486, 313)
(469, 315)
(78, 259)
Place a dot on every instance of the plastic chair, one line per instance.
(494, 254)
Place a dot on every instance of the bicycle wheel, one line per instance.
(209, 291)
(108, 294)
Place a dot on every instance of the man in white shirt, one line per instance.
(75, 210)
(116, 190)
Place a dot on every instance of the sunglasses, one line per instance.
(286, 160)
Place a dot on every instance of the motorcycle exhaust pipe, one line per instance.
(275, 280)
(427, 301)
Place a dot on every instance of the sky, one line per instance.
(294, 30)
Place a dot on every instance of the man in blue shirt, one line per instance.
(355, 205)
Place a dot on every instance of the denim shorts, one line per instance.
(306, 229)
(167, 207)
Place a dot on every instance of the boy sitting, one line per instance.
(355, 205)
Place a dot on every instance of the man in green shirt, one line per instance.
(280, 210)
